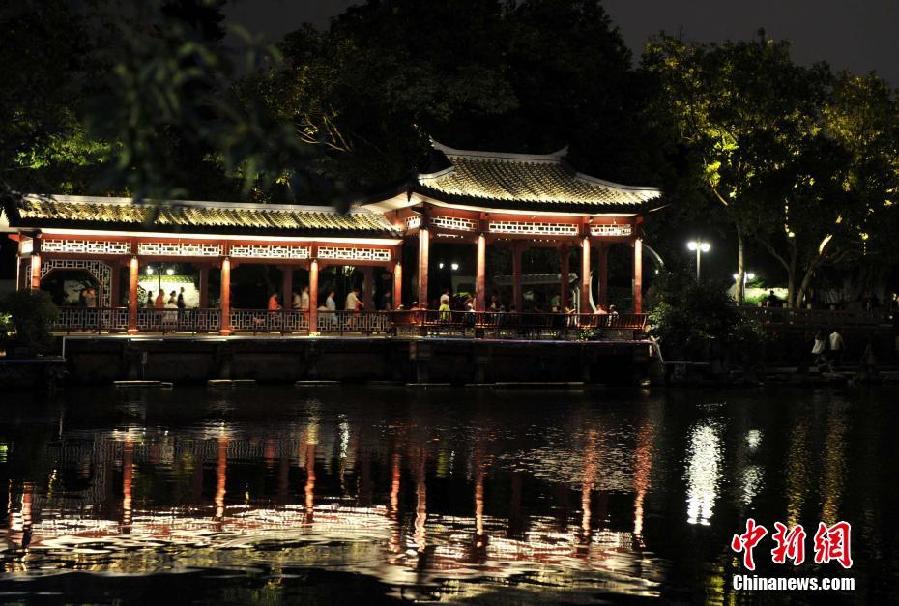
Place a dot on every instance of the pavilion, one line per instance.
(475, 198)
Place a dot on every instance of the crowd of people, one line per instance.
(175, 300)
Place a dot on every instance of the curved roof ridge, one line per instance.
(555, 157)
(613, 185)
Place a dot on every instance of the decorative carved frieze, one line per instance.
(270, 251)
(533, 228)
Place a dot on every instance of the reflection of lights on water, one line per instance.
(751, 482)
(753, 438)
(702, 473)
(343, 429)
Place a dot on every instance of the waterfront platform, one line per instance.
(194, 359)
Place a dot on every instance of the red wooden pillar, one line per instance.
(286, 286)
(481, 279)
(204, 286)
(638, 276)
(585, 276)
(368, 288)
(604, 275)
(396, 298)
(423, 246)
(35, 271)
(563, 276)
(313, 296)
(133, 277)
(225, 296)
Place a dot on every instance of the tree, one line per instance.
(741, 108)
(528, 76)
(862, 116)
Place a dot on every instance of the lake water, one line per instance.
(351, 495)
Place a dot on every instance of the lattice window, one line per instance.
(353, 254)
(533, 228)
(454, 223)
(90, 247)
(413, 222)
(179, 249)
(611, 230)
(98, 269)
(271, 251)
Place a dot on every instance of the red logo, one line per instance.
(832, 543)
(747, 541)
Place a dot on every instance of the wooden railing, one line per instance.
(814, 318)
(92, 319)
(497, 325)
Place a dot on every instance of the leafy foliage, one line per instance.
(32, 313)
(687, 315)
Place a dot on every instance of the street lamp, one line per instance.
(746, 277)
(454, 266)
(700, 247)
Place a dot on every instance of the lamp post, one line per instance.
(699, 247)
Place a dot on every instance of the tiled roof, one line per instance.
(526, 181)
(199, 217)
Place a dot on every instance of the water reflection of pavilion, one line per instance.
(330, 486)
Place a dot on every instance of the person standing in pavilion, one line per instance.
(273, 304)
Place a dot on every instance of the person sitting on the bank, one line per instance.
(771, 300)
(181, 302)
(273, 304)
(160, 300)
(149, 299)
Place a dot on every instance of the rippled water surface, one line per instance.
(352, 495)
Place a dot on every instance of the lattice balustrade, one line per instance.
(91, 319)
(342, 253)
(179, 249)
(454, 223)
(262, 320)
(533, 228)
(98, 269)
(270, 251)
(413, 222)
(195, 320)
(88, 247)
(343, 321)
(610, 230)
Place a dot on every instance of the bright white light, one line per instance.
(150, 270)
(746, 277)
(703, 473)
(170, 272)
(454, 266)
(699, 245)
(440, 265)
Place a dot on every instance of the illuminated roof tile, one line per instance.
(187, 216)
(525, 181)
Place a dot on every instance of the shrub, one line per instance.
(691, 318)
(32, 313)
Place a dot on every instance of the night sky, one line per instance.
(859, 35)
